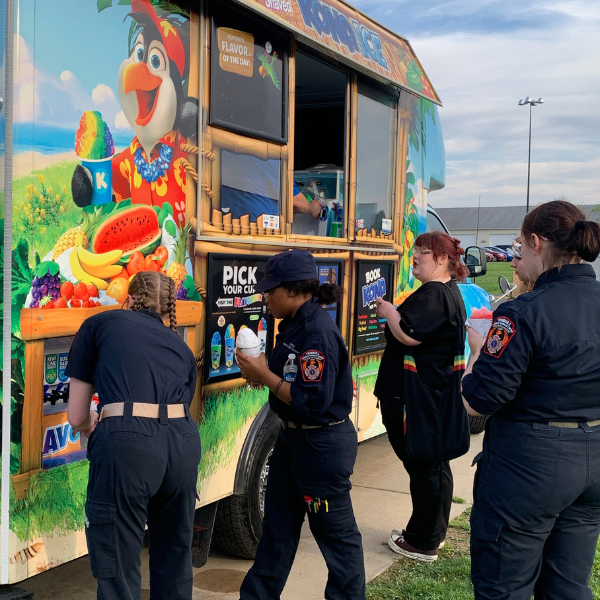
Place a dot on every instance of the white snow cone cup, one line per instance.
(248, 343)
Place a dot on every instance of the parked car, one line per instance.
(490, 257)
(500, 256)
(507, 249)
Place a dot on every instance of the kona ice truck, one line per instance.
(144, 135)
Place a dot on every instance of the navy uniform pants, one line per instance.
(142, 472)
(536, 517)
(309, 474)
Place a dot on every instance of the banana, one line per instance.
(83, 275)
(89, 260)
(102, 272)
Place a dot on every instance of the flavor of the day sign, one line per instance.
(352, 35)
(231, 305)
(373, 281)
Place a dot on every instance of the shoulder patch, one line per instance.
(312, 363)
(500, 334)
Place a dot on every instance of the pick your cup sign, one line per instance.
(239, 280)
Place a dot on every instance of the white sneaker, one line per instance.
(400, 533)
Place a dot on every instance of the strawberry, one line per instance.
(47, 302)
(66, 290)
(75, 302)
(92, 291)
(60, 302)
(81, 290)
(85, 304)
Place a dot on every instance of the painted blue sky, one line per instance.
(482, 57)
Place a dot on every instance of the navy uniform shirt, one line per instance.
(322, 392)
(132, 357)
(541, 359)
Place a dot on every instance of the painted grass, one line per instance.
(225, 415)
(489, 282)
(449, 578)
(56, 176)
(55, 504)
(368, 381)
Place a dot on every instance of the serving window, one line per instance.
(375, 160)
(248, 83)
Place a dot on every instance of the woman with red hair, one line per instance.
(418, 387)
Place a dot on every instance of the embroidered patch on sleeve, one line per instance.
(312, 363)
(500, 334)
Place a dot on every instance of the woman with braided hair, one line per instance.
(144, 450)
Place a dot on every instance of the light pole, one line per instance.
(531, 103)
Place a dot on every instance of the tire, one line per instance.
(477, 424)
(238, 523)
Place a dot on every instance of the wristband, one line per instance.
(276, 391)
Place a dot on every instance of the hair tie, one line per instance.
(577, 223)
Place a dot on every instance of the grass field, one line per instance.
(489, 282)
(449, 578)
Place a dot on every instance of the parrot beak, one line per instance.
(137, 78)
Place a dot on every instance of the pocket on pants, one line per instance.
(486, 546)
(101, 535)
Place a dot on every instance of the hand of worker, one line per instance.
(384, 308)
(94, 417)
(253, 369)
(314, 209)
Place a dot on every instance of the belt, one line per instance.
(142, 409)
(292, 425)
(573, 424)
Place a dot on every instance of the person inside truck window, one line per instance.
(310, 383)
(430, 322)
(145, 450)
(536, 516)
(252, 186)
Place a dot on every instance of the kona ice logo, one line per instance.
(57, 438)
(375, 287)
(355, 36)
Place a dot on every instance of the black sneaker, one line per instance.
(400, 532)
(399, 546)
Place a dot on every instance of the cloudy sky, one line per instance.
(482, 57)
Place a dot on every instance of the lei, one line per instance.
(158, 167)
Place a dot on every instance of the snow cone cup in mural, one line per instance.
(262, 334)
(95, 147)
(229, 345)
(101, 171)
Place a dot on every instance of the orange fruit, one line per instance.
(118, 289)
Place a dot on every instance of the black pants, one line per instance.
(431, 485)
(536, 516)
(142, 471)
(309, 473)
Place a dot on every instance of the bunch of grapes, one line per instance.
(182, 292)
(46, 283)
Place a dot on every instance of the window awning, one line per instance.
(353, 37)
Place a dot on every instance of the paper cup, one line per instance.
(215, 352)
(250, 351)
(101, 171)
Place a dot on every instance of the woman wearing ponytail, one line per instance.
(536, 516)
(418, 388)
(144, 450)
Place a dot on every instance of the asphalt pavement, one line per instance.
(381, 501)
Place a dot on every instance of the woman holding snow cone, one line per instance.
(310, 384)
(145, 450)
(418, 387)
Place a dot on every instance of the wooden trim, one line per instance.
(207, 147)
(191, 199)
(404, 118)
(21, 483)
(291, 134)
(37, 323)
(33, 406)
(352, 150)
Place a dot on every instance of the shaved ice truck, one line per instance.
(193, 138)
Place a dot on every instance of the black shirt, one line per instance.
(429, 316)
(541, 359)
(132, 357)
(322, 392)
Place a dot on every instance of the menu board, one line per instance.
(331, 272)
(248, 78)
(231, 303)
(373, 281)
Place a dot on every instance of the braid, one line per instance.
(171, 305)
(140, 298)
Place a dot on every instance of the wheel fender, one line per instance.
(264, 414)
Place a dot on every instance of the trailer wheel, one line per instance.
(477, 424)
(238, 524)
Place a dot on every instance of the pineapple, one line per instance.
(176, 270)
(85, 229)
